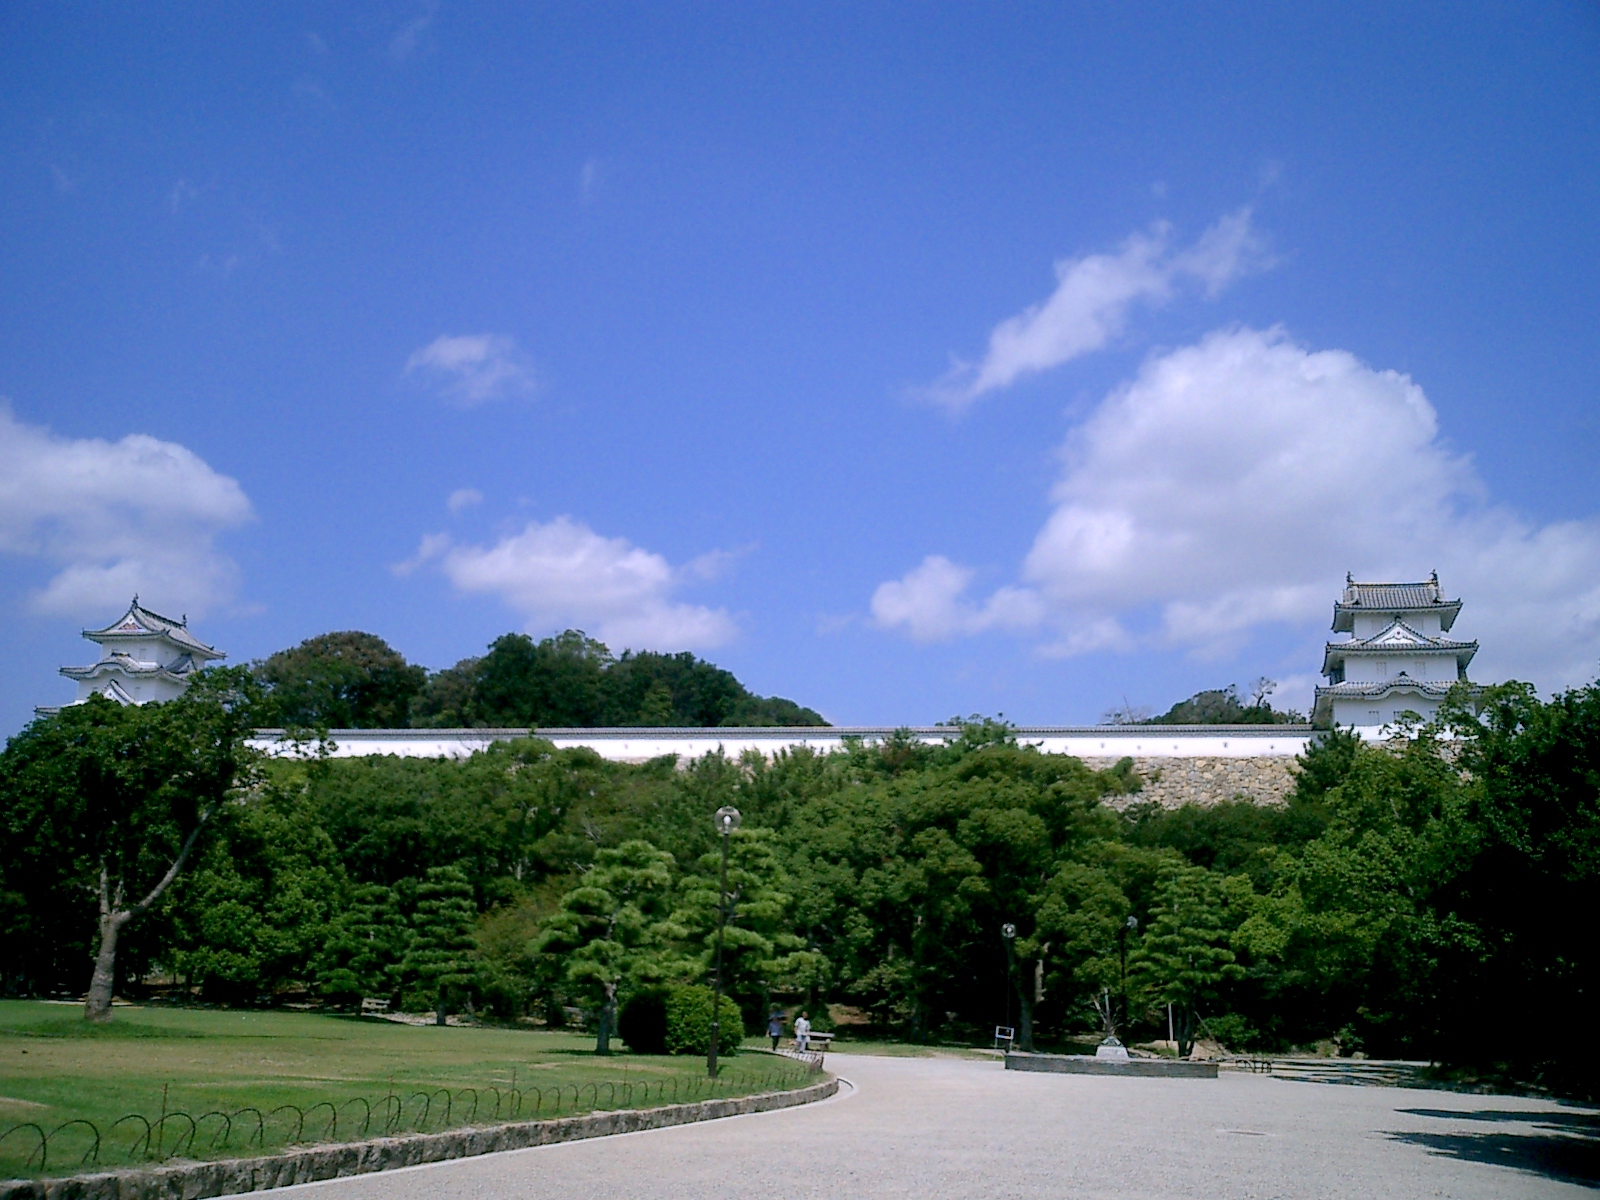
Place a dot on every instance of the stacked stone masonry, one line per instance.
(1174, 782)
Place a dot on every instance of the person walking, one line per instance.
(802, 1033)
(775, 1027)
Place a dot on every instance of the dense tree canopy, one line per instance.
(356, 680)
(1422, 899)
(347, 680)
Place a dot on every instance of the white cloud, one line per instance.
(463, 498)
(1093, 295)
(928, 603)
(472, 368)
(562, 574)
(406, 39)
(1231, 484)
(138, 515)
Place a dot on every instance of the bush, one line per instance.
(689, 1022)
(643, 1021)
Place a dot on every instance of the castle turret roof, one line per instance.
(1397, 638)
(1393, 599)
(141, 623)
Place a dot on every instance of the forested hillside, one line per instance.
(355, 680)
(1425, 899)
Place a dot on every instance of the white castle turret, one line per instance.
(1397, 658)
(145, 657)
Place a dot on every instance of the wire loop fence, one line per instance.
(134, 1138)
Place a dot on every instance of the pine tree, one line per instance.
(613, 927)
(442, 951)
(1184, 957)
(364, 947)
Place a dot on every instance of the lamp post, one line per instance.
(1008, 933)
(1131, 925)
(727, 820)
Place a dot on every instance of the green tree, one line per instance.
(117, 798)
(365, 947)
(348, 680)
(254, 912)
(613, 928)
(1080, 927)
(1184, 956)
(441, 956)
(759, 946)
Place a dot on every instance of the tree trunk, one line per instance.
(608, 1020)
(1183, 1026)
(1025, 1021)
(443, 1010)
(113, 917)
(98, 1006)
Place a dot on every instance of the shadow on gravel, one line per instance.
(1565, 1148)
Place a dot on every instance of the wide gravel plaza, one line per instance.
(935, 1127)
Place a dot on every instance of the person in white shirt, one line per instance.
(802, 1033)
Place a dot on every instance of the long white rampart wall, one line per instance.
(641, 745)
(1176, 764)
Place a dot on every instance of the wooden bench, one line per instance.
(819, 1042)
(371, 1004)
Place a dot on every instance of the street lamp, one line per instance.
(727, 820)
(1008, 932)
(1131, 925)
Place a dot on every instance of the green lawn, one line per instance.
(247, 1066)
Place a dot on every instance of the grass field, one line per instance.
(269, 1079)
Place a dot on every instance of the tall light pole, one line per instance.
(1008, 934)
(1131, 925)
(727, 820)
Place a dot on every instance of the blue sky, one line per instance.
(908, 360)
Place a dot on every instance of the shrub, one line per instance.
(689, 1022)
(643, 1021)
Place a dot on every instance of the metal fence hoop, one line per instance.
(447, 1104)
(261, 1124)
(223, 1133)
(473, 1115)
(427, 1108)
(42, 1151)
(161, 1127)
(331, 1132)
(92, 1154)
(300, 1123)
(133, 1117)
(366, 1120)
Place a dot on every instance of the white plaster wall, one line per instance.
(640, 745)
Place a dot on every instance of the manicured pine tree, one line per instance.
(364, 947)
(442, 951)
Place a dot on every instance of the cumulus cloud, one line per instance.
(1231, 484)
(472, 368)
(562, 573)
(1093, 295)
(463, 498)
(115, 518)
(929, 603)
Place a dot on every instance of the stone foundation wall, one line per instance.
(1174, 782)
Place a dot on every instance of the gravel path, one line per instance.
(949, 1127)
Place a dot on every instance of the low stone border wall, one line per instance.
(1084, 1064)
(193, 1181)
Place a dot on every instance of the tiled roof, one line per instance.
(1398, 638)
(1323, 697)
(122, 664)
(1393, 598)
(139, 621)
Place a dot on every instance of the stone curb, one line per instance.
(193, 1181)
